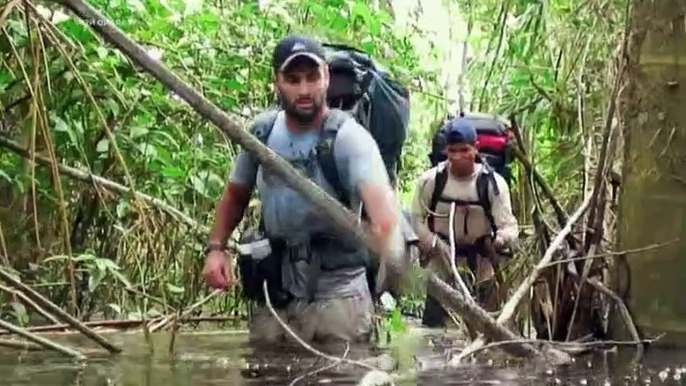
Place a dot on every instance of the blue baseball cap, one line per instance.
(459, 130)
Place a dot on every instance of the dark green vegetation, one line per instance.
(69, 98)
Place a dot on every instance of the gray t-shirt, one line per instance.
(288, 214)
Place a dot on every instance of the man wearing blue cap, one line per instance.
(478, 226)
(322, 284)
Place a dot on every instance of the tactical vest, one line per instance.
(345, 250)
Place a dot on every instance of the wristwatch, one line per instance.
(213, 247)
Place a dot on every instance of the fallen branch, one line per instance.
(511, 305)
(165, 321)
(58, 312)
(31, 303)
(123, 324)
(479, 318)
(302, 342)
(319, 370)
(568, 347)
(20, 345)
(611, 254)
(41, 340)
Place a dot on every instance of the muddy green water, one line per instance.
(225, 358)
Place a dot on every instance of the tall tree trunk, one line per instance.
(653, 198)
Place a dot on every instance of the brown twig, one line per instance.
(31, 303)
(123, 324)
(41, 340)
(570, 347)
(624, 311)
(611, 254)
(166, 320)
(319, 370)
(58, 312)
(547, 191)
(20, 345)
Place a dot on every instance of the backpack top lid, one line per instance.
(485, 123)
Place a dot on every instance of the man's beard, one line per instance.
(302, 116)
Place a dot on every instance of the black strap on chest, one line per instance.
(484, 178)
(333, 121)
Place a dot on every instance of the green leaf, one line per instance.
(122, 278)
(122, 209)
(138, 131)
(103, 146)
(199, 185)
(102, 52)
(174, 289)
(95, 279)
(147, 149)
(234, 84)
(172, 172)
(20, 313)
(5, 176)
(115, 308)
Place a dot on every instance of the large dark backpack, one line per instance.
(364, 88)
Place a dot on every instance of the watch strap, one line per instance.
(213, 247)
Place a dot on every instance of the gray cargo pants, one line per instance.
(328, 320)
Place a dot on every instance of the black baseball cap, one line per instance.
(294, 46)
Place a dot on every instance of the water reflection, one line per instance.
(227, 359)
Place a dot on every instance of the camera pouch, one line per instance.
(259, 259)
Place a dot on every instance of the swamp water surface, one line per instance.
(226, 358)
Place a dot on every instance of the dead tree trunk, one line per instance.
(653, 197)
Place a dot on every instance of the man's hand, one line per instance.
(440, 251)
(218, 272)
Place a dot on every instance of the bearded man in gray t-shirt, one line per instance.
(338, 305)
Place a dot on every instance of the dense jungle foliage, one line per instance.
(69, 99)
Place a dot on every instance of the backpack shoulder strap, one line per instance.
(486, 177)
(440, 181)
(325, 152)
(263, 124)
(261, 128)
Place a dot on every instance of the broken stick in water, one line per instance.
(20, 345)
(58, 312)
(165, 321)
(41, 340)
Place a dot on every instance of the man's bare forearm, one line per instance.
(229, 214)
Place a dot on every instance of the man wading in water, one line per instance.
(483, 219)
(323, 292)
